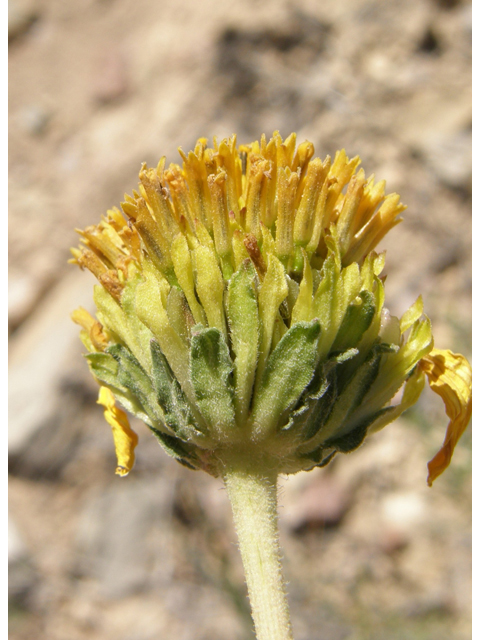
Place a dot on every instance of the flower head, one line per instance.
(240, 307)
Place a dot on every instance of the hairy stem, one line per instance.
(253, 495)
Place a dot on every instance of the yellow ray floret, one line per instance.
(124, 438)
(450, 375)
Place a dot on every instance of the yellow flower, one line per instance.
(241, 308)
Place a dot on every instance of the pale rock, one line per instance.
(434, 114)
(111, 78)
(402, 514)
(17, 549)
(124, 539)
(42, 354)
(23, 291)
(21, 15)
(405, 510)
(34, 119)
(438, 130)
(450, 157)
(319, 499)
(22, 575)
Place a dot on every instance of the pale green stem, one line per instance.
(253, 495)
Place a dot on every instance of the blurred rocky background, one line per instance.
(97, 87)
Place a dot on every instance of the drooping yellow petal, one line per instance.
(450, 375)
(124, 438)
